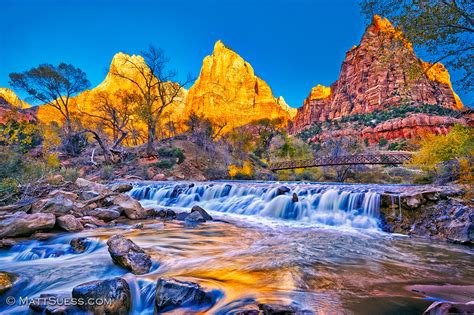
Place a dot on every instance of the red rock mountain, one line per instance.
(378, 74)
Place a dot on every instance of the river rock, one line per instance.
(126, 253)
(92, 220)
(132, 208)
(194, 218)
(89, 194)
(88, 185)
(294, 198)
(58, 205)
(281, 309)
(167, 214)
(79, 244)
(203, 213)
(104, 214)
(22, 224)
(181, 216)
(122, 187)
(6, 281)
(282, 190)
(67, 194)
(115, 290)
(43, 306)
(172, 293)
(69, 223)
(445, 308)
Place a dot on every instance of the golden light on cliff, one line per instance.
(439, 73)
(13, 99)
(383, 25)
(319, 92)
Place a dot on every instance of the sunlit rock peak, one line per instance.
(228, 92)
(13, 99)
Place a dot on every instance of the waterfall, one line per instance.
(334, 205)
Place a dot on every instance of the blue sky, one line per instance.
(292, 45)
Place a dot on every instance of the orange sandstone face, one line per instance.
(439, 73)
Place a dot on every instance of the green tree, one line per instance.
(52, 85)
(444, 29)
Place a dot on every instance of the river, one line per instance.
(324, 252)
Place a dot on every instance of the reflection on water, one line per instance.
(323, 269)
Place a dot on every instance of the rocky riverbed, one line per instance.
(145, 258)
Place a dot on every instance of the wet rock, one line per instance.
(226, 190)
(177, 190)
(104, 214)
(182, 216)
(137, 226)
(122, 187)
(129, 255)
(6, 281)
(44, 306)
(132, 208)
(445, 308)
(58, 205)
(294, 198)
(79, 244)
(278, 309)
(172, 293)
(194, 218)
(203, 213)
(7, 243)
(282, 190)
(166, 214)
(92, 220)
(22, 224)
(69, 223)
(116, 290)
(89, 185)
(89, 194)
(460, 232)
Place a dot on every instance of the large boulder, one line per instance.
(22, 224)
(85, 184)
(116, 292)
(122, 187)
(69, 223)
(172, 293)
(105, 214)
(126, 253)
(445, 308)
(203, 213)
(132, 208)
(6, 281)
(67, 194)
(58, 205)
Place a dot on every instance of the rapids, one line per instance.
(324, 253)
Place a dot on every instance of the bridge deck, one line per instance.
(390, 158)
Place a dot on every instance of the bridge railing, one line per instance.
(393, 158)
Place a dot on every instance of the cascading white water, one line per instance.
(335, 205)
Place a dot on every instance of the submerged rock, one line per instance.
(282, 190)
(166, 214)
(172, 293)
(127, 254)
(22, 224)
(279, 309)
(6, 281)
(79, 244)
(69, 223)
(44, 306)
(294, 198)
(116, 291)
(203, 213)
(181, 216)
(194, 218)
(132, 208)
(445, 308)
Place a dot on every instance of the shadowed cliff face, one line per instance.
(383, 71)
(228, 92)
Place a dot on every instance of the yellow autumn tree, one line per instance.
(245, 170)
(458, 145)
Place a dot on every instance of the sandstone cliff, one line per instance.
(229, 93)
(381, 72)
